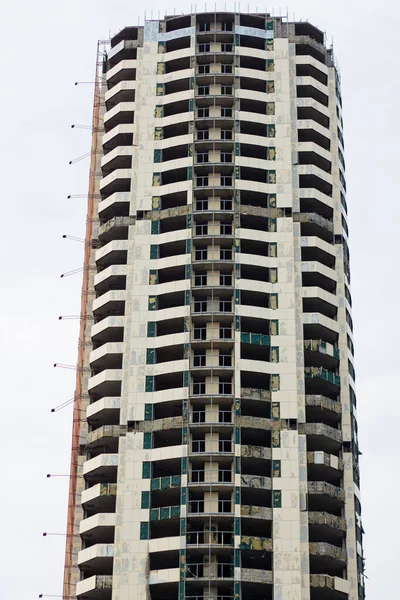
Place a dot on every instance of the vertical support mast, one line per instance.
(71, 571)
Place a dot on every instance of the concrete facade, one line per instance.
(218, 456)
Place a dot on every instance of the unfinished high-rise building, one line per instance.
(215, 452)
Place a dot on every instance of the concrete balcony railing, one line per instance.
(322, 430)
(114, 251)
(322, 347)
(116, 227)
(99, 436)
(124, 70)
(114, 116)
(116, 273)
(255, 394)
(321, 488)
(98, 556)
(331, 584)
(125, 130)
(327, 520)
(325, 459)
(112, 203)
(104, 466)
(254, 422)
(256, 512)
(104, 410)
(118, 181)
(97, 587)
(107, 356)
(106, 383)
(97, 525)
(255, 543)
(108, 328)
(100, 495)
(256, 576)
(256, 481)
(163, 576)
(328, 550)
(250, 451)
(161, 424)
(124, 88)
(324, 403)
(110, 301)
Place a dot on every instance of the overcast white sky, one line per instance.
(47, 46)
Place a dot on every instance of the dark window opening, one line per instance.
(178, 44)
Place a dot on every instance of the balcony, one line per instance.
(209, 571)
(165, 513)
(218, 419)
(205, 539)
(98, 528)
(111, 277)
(119, 158)
(312, 224)
(118, 181)
(100, 497)
(317, 325)
(321, 381)
(325, 497)
(98, 557)
(116, 205)
(215, 260)
(207, 234)
(255, 394)
(204, 312)
(218, 479)
(121, 135)
(125, 70)
(324, 556)
(259, 423)
(261, 452)
(257, 339)
(109, 303)
(326, 354)
(104, 411)
(322, 437)
(166, 577)
(256, 481)
(110, 329)
(108, 356)
(322, 405)
(105, 437)
(326, 525)
(106, 383)
(316, 300)
(197, 508)
(101, 469)
(122, 114)
(97, 587)
(116, 228)
(219, 73)
(114, 252)
(165, 483)
(224, 447)
(322, 464)
(256, 576)
(121, 92)
(325, 587)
